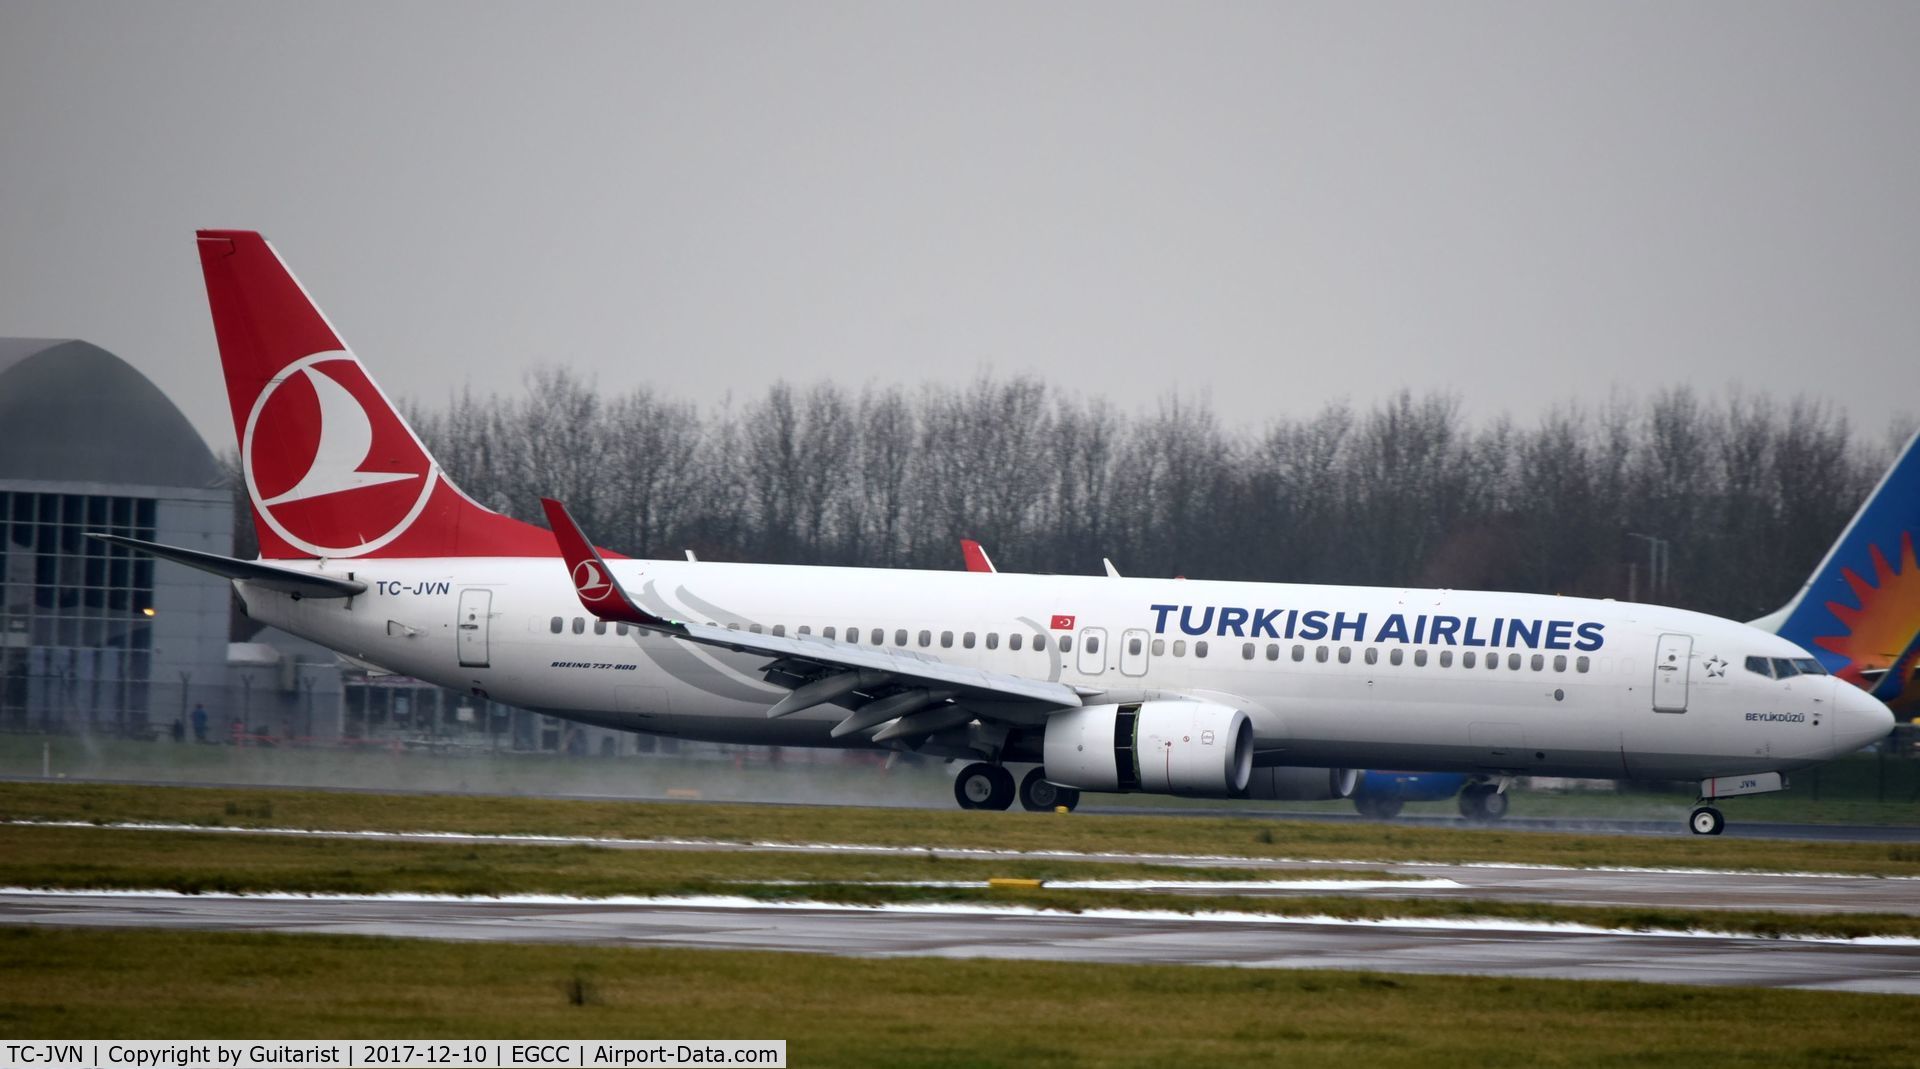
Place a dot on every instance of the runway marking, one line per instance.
(921, 851)
(737, 903)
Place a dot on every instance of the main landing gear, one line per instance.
(1039, 796)
(1483, 802)
(984, 786)
(1706, 820)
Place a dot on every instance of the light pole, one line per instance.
(1657, 563)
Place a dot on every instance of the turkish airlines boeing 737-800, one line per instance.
(1217, 689)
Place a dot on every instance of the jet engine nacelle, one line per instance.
(1295, 784)
(1160, 747)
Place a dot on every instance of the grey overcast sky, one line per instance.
(1272, 205)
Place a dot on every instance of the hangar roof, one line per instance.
(72, 412)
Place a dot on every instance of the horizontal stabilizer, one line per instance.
(273, 577)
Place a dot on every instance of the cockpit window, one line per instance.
(1784, 669)
(1810, 666)
(1760, 665)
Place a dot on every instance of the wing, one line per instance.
(912, 694)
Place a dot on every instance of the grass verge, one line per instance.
(1091, 833)
(860, 1012)
(97, 859)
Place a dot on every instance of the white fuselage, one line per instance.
(1379, 682)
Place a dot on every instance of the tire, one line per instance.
(1387, 808)
(1494, 805)
(1036, 794)
(1470, 803)
(973, 788)
(1706, 820)
(1003, 788)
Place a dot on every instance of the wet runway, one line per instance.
(1633, 887)
(1423, 947)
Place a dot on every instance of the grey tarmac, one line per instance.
(1388, 947)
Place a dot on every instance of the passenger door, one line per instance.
(1672, 661)
(476, 607)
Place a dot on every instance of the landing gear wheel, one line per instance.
(1706, 820)
(983, 786)
(1377, 808)
(1482, 802)
(1039, 796)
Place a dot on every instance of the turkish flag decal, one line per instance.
(1062, 623)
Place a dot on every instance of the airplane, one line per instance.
(1374, 793)
(1198, 688)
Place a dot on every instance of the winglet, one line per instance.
(976, 556)
(600, 593)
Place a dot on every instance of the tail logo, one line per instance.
(588, 581)
(329, 465)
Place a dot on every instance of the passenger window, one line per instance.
(1580, 664)
(1320, 654)
(1760, 665)
(926, 639)
(1159, 647)
(1246, 651)
(805, 629)
(755, 628)
(1346, 654)
(1299, 653)
(1493, 661)
(1513, 661)
(599, 627)
(1039, 643)
(1200, 648)
(966, 641)
(1373, 655)
(579, 625)
(1093, 644)
(1784, 669)
(1066, 643)
(733, 627)
(1133, 647)
(946, 640)
(1446, 658)
(1560, 662)
(1014, 640)
(1468, 659)
(619, 629)
(1397, 656)
(1419, 658)
(779, 630)
(993, 640)
(559, 624)
(900, 636)
(1539, 662)
(879, 636)
(1273, 651)
(1179, 647)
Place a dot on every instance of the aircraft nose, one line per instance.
(1859, 718)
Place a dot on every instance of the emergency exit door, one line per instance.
(476, 607)
(1671, 661)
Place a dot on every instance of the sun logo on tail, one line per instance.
(1886, 619)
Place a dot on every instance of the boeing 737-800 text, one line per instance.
(1218, 689)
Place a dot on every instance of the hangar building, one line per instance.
(93, 636)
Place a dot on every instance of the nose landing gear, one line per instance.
(1706, 820)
